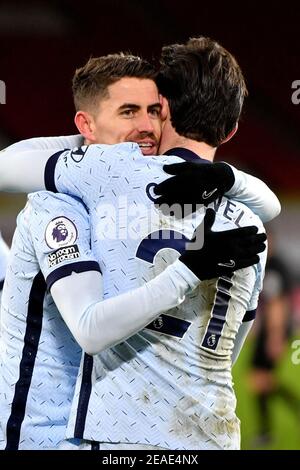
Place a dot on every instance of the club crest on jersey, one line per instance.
(60, 232)
(158, 323)
(78, 153)
(211, 340)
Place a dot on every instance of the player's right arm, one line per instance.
(26, 168)
(48, 143)
(22, 165)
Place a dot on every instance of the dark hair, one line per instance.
(91, 81)
(205, 89)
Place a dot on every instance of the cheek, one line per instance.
(109, 133)
(157, 126)
(128, 131)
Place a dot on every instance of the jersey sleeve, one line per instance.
(60, 232)
(22, 165)
(255, 194)
(47, 143)
(99, 324)
(76, 171)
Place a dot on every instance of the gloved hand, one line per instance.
(222, 252)
(194, 183)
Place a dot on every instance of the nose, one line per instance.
(145, 124)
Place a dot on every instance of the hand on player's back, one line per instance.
(222, 252)
(194, 183)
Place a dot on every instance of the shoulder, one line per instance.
(47, 201)
(48, 212)
(99, 157)
(116, 150)
(52, 220)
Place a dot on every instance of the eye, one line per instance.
(155, 112)
(127, 112)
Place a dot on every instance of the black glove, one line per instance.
(194, 183)
(222, 252)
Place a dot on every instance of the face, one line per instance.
(130, 113)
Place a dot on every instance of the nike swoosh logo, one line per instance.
(206, 195)
(230, 264)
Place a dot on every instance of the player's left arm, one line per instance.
(59, 229)
(203, 183)
(99, 324)
(255, 194)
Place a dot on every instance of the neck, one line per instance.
(170, 139)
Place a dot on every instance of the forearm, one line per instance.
(22, 165)
(255, 194)
(48, 143)
(97, 325)
(23, 172)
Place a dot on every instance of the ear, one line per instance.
(231, 134)
(85, 123)
(164, 107)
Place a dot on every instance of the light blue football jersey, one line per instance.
(170, 385)
(39, 357)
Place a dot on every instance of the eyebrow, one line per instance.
(136, 106)
(155, 105)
